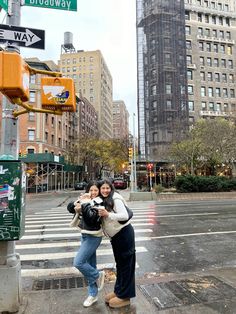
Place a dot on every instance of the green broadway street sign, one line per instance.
(4, 4)
(69, 5)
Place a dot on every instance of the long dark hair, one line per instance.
(107, 201)
(91, 183)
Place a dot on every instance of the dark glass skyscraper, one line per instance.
(162, 76)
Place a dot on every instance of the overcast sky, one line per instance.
(105, 25)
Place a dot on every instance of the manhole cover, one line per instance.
(188, 291)
(59, 283)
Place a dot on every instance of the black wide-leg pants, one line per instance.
(123, 245)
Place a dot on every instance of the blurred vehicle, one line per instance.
(80, 185)
(119, 184)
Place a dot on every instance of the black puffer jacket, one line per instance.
(90, 219)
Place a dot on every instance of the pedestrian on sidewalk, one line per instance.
(123, 244)
(91, 236)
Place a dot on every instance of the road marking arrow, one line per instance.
(28, 37)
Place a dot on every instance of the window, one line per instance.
(203, 91)
(217, 92)
(30, 151)
(226, 107)
(168, 104)
(46, 136)
(210, 91)
(190, 89)
(221, 34)
(218, 106)
(223, 63)
(199, 17)
(216, 62)
(217, 77)
(224, 77)
(209, 76)
(189, 59)
(225, 92)
(167, 57)
(91, 59)
(208, 47)
(227, 21)
(204, 106)
(211, 106)
(228, 35)
(31, 135)
(222, 48)
(215, 47)
(191, 105)
(153, 58)
(230, 63)
(202, 62)
(202, 74)
(209, 61)
(187, 15)
(207, 18)
(213, 19)
(188, 30)
(32, 78)
(221, 20)
(188, 44)
(190, 74)
(32, 96)
(31, 116)
(200, 31)
(231, 78)
(153, 90)
(214, 33)
(232, 93)
(168, 89)
(229, 50)
(200, 45)
(154, 104)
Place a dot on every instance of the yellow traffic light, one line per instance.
(14, 76)
(58, 93)
(130, 152)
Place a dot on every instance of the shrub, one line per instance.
(191, 183)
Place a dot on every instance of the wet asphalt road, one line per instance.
(180, 236)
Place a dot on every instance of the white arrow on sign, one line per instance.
(28, 37)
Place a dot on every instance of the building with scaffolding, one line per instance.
(162, 76)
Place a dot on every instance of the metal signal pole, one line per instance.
(10, 288)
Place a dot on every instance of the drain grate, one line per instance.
(59, 283)
(188, 291)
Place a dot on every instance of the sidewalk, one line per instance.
(204, 296)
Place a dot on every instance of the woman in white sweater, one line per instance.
(123, 244)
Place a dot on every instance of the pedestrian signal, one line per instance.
(149, 167)
(14, 76)
(58, 93)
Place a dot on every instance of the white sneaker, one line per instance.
(100, 280)
(89, 301)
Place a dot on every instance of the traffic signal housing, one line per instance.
(150, 167)
(130, 152)
(14, 76)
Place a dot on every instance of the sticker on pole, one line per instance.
(58, 94)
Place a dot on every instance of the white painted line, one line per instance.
(65, 244)
(61, 271)
(53, 256)
(193, 234)
(67, 235)
(74, 228)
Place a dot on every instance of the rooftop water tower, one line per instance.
(68, 47)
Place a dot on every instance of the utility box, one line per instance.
(12, 200)
(14, 76)
(58, 94)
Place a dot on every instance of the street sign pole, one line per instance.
(9, 261)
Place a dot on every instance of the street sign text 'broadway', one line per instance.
(25, 37)
(70, 5)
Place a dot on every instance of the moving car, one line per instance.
(80, 185)
(119, 184)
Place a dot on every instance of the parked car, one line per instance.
(120, 184)
(80, 185)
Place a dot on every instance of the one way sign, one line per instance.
(24, 36)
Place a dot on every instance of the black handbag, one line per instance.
(130, 215)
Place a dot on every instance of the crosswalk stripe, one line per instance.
(61, 271)
(66, 244)
(67, 235)
(49, 256)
